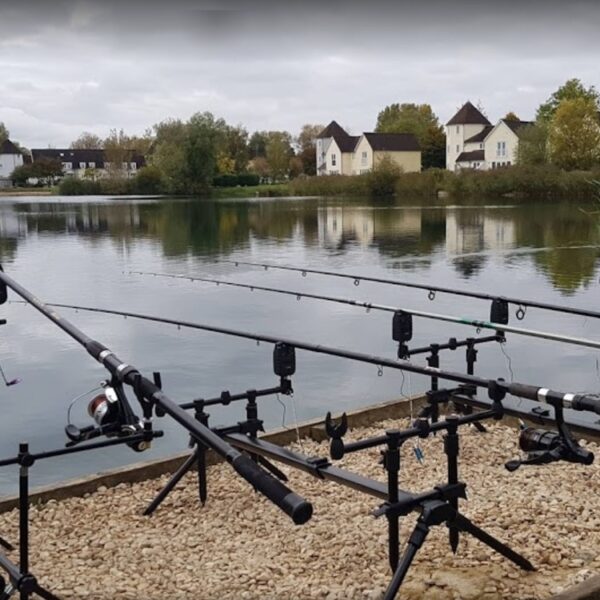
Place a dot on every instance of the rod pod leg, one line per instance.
(183, 469)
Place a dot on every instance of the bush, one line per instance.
(381, 181)
(148, 181)
(231, 180)
(70, 186)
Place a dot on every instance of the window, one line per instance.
(82, 165)
(133, 166)
(363, 158)
(493, 165)
(457, 148)
(67, 166)
(333, 160)
(501, 149)
(124, 166)
(508, 164)
(481, 146)
(92, 165)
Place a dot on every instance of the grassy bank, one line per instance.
(515, 182)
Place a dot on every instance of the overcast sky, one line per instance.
(68, 66)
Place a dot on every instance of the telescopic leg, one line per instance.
(415, 541)
(40, 591)
(468, 526)
(183, 469)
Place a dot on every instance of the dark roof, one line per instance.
(479, 137)
(393, 142)
(346, 143)
(516, 125)
(333, 130)
(468, 115)
(470, 156)
(7, 147)
(76, 156)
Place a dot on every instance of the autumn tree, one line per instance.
(574, 134)
(572, 89)
(234, 149)
(87, 141)
(168, 153)
(421, 121)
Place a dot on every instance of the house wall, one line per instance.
(362, 164)
(409, 162)
(9, 162)
(455, 141)
(501, 134)
(347, 163)
(333, 150)
(321, 149)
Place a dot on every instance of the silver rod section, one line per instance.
(381, 307)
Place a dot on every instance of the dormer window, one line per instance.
(82, 165)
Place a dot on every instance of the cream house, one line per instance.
(472, 142)
(10, 158)
(341, 154)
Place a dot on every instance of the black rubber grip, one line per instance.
(586, 403)
(290, 503)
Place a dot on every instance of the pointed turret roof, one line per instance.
(468, 115)
(333, 130)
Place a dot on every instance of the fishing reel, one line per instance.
(543, 446)
(113, 416)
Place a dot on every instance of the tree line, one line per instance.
(191, 156)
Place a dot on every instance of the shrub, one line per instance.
(148, 181)
(71, 186)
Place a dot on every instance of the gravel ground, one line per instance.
(240, 547)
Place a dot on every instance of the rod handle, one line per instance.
(586, 403)
(290, 503)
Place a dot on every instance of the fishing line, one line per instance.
(298, 439)
(284, 411)
(508, 361)
(417, 450)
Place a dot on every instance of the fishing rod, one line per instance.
(577, 402)
(381, 307)
(432, 289)
(151, 396)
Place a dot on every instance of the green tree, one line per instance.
(570, 90)
(148, 180)
(511, 116)
(87, 141)
(168, 154)
(307, 150)
(533, 141)
(257, 144)
(205, 136)
(574, 135)
(421, 121)
(235, 147)
(45, 170)
(4, 133)
(116, 152)
(278, 153)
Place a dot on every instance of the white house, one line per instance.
(341, 154)
(472, 142)
(10, 158)
(87, 163)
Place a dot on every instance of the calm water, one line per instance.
(80, 250)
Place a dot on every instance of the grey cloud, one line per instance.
(69, 66)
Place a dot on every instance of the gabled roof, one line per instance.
(515, 126)
(7, 147)
(333, 130)
(346, 143)
(76, 155)
(468, 115)
(470, 156)
(479, 137)
(393, 142)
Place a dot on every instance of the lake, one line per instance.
(81, 250)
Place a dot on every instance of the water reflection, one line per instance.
(405, 236)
